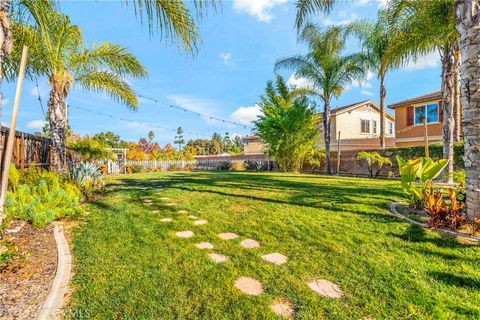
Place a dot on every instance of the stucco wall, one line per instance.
(349, 123)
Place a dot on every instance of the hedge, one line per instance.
(436, 152)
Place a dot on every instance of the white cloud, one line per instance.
(343, 19)
(260, 9)
(5, 102)
(430, 60)
(363, 84)
(34, 91)
(366, 93)
(36, 124)
(299, 82)
(245, 115)
(226, 58)
(361, 3)
(194, 103)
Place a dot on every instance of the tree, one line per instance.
(151, 136)
(376, 39)
(308, 7)
(179, 138)
(58, 52)
(468, 20)
(428, 26)
(109, 139)
(328, 71)
(288, 124)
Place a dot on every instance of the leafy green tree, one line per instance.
(328, 71)
(288, 124)
(237, 146)
(59, 53)
(179, 138)
(110, 139)
(151, 136)
(308, 7)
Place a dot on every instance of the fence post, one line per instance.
(338, 153)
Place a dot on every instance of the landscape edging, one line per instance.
(393, 209)
(53, 303)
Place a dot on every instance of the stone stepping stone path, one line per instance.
(228, 236)
(249, 286)
(155, 211)
(193, 217)
(275, 258)
(171, 204)
(250, 243)
(147, 201)
(200, 222)
(166, 220)
(283, 308)
(182, 211)
(325, 288)
(164, 199)
(184, 234)
(204, 245)
(218, 258)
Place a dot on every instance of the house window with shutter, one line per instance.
(365, 126)
(374, 125)
(410, 115)
(429, 112)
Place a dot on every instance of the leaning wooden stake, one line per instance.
(7, 159)
(427, 150)
(338, 153)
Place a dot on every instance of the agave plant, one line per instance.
(84, 172)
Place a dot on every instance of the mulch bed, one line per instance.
(25, 282)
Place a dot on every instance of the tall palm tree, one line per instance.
(427, 26)
(58, 52)
(308, 7)
(376, 39)
(328, 71)
(468, 20)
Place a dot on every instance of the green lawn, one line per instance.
(129, 265)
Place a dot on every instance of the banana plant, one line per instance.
(417, 176)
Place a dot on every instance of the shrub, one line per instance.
(90, 149)
(225, 165)
(174, 167)
(436, 152)
(41, 197)
(374, 159)
(88, 176)
(443, 214)
(134, 168)
(238, 166)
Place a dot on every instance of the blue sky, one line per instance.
(240, 45)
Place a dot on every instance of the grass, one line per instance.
(129, 265)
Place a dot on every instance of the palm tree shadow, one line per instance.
(456, 280)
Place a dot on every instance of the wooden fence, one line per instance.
(28, 149)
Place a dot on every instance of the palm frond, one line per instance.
(308, 7)
(110, 84)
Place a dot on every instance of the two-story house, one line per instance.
(358, 125)
(410, 115)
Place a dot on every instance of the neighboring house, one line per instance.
(359, 127)
(409, 117)
(253, 145)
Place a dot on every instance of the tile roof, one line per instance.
(426, 97)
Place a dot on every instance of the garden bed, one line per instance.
(26, 280)
(421, 218)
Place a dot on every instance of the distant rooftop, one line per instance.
(426, 97)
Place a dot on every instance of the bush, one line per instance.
(40, 197)
(374, 159)
(436, 152)
(238, 166)
(134, 168)
(174, 167)
(88, 177)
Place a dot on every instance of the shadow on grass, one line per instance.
(456, 280)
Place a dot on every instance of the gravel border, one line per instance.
(393, 209)
(53, 303)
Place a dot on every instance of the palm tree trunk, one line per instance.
(6, 41)
(326, 135)
(457, 94)
(468, 20)
(383, 94)
(57, 116)
(448, 90)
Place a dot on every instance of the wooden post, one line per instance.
(427, 150)
(338, 153)
(11, 134)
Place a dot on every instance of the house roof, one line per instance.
(349, 107)
(424, 98)
(250, 137)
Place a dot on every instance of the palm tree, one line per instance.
(468, 20)
(328, 71)
(308, 7)
(426, 26)
(57, 51)
(376, 39)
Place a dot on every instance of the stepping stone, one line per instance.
(250, 243)
(182, 211)
(325, 288)
(283, 308)
(155, 211)
(200, 222)
(275, 258)
(166, 220)
(228, 236)
(249, 286)
(193, 217)
(185, 234)
(218, 258)
(204, 245)
(171, 204)
(148, 200)
(164, 199)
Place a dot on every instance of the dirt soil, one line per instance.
(25, 282)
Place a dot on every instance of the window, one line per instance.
(390, 128)
(428, 112)
(365, 126)
(374, 125)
